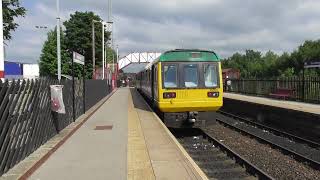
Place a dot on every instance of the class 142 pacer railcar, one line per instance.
(181, 83)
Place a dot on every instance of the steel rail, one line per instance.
(252, 169)
(314, 164)
(273, 130)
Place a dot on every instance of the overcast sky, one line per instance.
(225, 26)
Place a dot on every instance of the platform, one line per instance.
(291, 105)
(121, 139)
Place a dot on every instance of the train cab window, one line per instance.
(210, 75)
(191, 75)
(170, 76)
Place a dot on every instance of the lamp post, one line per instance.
(41, 27)
(103, 54)
(1, 44)
(93, 49)
(103, 47)
(117, 57)
(58, 41)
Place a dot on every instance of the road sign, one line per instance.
(78, 58)
(313, 64)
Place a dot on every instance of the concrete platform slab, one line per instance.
(298, 106)
(93, 154)
(168, 158)
(138, 146)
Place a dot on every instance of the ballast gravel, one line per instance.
(272, 161)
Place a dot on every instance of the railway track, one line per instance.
(274, 131)
(301, 149)
(216, 159)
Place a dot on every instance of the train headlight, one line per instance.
(168, 95)
(213, 94)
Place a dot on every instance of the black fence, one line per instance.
(95, 90)
(303, 89)
(26, 119)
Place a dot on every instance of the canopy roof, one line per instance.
(134, 68)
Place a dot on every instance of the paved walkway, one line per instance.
(168, 158)
(298, 106)
(93, 154)
(123, 139)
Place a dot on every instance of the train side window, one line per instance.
(170, 79)
(155, 82)
(211, 75)
(155, 73)
(155, 78)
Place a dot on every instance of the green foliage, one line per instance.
(11, 11)
(253, 64)
(79, 38)
(111, 54)
(76, 37)
(48, 58)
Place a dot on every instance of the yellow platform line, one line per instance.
(185, 154)
(139, 164)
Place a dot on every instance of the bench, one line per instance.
(282, 93)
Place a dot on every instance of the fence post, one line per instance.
(73, 94)
(303, 85)
(84, 88)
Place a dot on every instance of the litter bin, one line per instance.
(57, 105)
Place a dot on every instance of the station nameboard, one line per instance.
(313, 64)
(78, 58)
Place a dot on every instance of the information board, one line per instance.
(78, 58)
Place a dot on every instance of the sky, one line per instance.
(225, 26)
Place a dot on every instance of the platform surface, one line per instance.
(298, 106)
(90, 153)
(168, 158)
(138, 146)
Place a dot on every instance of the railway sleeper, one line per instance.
(227, 173)
(209, 151)
(219, 164)
(205, 158)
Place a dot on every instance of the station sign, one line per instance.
(78, 58)
(312, 64)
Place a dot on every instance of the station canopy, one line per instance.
(135, 62)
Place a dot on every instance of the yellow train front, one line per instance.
(180, 83)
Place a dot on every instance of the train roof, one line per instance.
(186, 55)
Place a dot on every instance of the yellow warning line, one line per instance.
(139, 164)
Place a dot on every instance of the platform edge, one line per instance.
(182, 150)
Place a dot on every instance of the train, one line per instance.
(181, 83)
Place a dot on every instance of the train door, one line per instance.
(155, 82)
(141, 76)
(152, 83)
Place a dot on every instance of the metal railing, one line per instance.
(304, 89)
(26, 119)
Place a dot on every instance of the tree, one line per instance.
(253, 65)
(48, 58)
(79, 38)
(11, 11)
